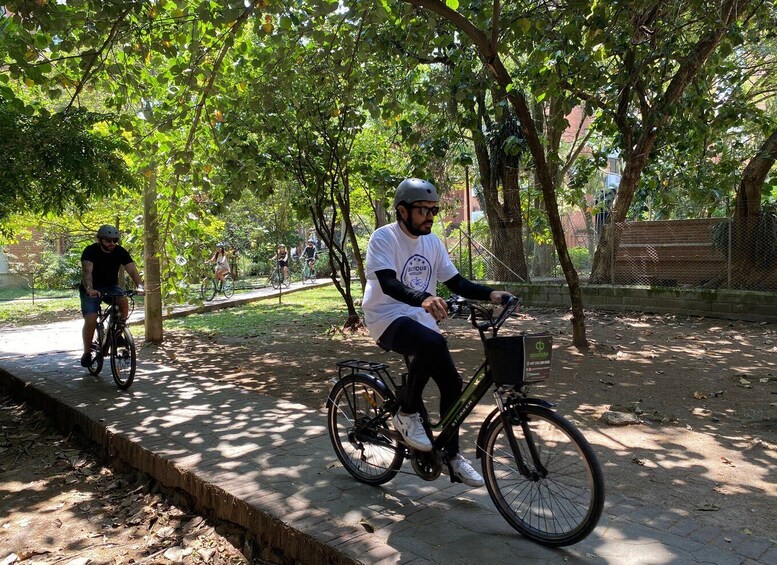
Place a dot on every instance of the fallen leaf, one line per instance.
(699, 395)
(708, 507)
(727, 461)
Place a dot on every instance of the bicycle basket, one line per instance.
(519, 359)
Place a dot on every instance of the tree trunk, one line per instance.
(152, 275)
(325, 217)
(749, 254)
(490, 55)
(505, 222)
(601, 272)
(507, 232)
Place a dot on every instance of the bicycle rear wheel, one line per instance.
(357, 421)
(208, 289)
(228, 288)
(123, 360)
(560, 500)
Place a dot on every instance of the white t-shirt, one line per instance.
(419, 263)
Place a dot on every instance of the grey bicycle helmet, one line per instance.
(413, 189)
(107, 231)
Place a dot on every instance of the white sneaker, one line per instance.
(462, 470)
(411, 427)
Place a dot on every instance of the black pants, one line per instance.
(430, 359)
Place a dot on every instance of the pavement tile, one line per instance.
(705, 534)
(754, 548)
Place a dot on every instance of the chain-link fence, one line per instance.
(702, 253)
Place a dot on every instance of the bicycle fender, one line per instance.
(481, 443)
(374, 379)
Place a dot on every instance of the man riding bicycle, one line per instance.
(310, 254)
(100, 264)
(405, 261)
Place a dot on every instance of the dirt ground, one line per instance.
(701, 396)
(60, 503)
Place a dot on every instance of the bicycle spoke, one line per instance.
(554, 496)
(357, 428)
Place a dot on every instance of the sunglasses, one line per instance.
(113, 239)
(427, 210)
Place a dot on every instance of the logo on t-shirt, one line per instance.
(417, 273)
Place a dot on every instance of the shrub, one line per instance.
(580, 258)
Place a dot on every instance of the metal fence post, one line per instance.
(469, 220)
(611, 227)
(728, 259)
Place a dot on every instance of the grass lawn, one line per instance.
(317, 306)
(18, 309)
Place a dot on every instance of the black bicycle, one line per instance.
(114, 339)
(541, 473)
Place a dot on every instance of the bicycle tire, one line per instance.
(275, 280)
(560, 507)
(228, 288)
(357, 422)
(97, 363)
(287, 281)
(208, 289)
(123, 358)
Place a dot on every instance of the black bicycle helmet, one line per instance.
(108, 231)
(413, 190)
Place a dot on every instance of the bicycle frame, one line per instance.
(111, 313)
(474, 391)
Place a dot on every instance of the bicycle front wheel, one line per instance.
(123, 360)
(208, 289)
(229, 287)
(558, 499)
(275, 280)
(357, 421)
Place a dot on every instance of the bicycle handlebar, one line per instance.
(110, 295)
(509, 306)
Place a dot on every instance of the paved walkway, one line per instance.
(267, 465)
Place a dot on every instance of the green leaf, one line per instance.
(452, 4)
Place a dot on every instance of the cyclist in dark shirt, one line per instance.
(310, 254)
(100, 264)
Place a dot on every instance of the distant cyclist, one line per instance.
(221, 264)
(282, 257)
(100, 264)
(310, 254)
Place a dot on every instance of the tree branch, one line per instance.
(89, 68)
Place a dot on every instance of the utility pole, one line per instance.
(469, 218)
